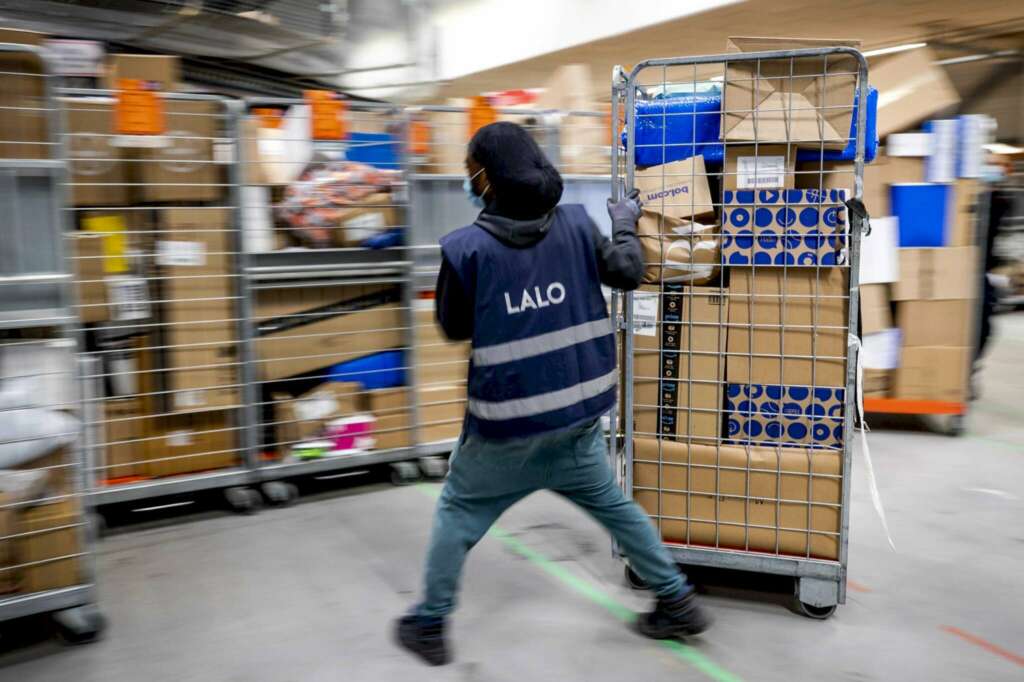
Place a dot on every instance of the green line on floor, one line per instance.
(596, 595)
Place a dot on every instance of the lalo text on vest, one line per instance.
(552, 295)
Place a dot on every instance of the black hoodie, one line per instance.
(526, 191)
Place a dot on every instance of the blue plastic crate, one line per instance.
(923, 211)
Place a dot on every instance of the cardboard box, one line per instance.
(90, 286)
(125, 448)
(938, 273)
(24, 126)
(442, 410)
(329, 336)
(393, 431)
(186, 443)
(375, 214)
(678, 366)
(48, 543)
(963, 219)
(911, 88)
(883, 172)
(439, 362)
(794, 416)
(784, 227)
(875, 308)
(303, 417)
(385, 401)
(878, 383)
(449, 135)
(185, 170)
(788, 100)
(99, 171)
(933, 373)
(677, 190)
(947, 322)
(161, 70)
(787, 327)
(733, 497)
(677, 250)
(764, 166)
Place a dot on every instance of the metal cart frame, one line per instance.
(74, 607)
(819, 584)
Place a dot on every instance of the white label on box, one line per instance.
(908, 144)
(941, 164)
(186, 399)
(143, 141)
(645, 313)
(76, 57)
(760, 172)
(880, 252)
(881, 350)
(223, 151)
(368, 221)
(128, 298)
(424, 304)
(191, 254)
(318, 406)
(179, 439)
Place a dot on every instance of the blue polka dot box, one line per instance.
(797, 416)
(784, 227)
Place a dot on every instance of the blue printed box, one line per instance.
(798, 416)
(798, 227)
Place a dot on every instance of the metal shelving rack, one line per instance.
(37, 298)
(819, 580)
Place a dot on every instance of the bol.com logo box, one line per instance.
(784, 227)
(799, 416)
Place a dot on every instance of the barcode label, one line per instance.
(180, 253)
(128, 298)
(760, 172)
(645, 313)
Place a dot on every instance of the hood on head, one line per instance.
(526, 186)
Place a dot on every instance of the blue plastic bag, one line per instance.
(380, 370)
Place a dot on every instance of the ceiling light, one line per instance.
(894, 48)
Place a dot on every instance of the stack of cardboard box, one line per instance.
(441, 369)
(936, 301)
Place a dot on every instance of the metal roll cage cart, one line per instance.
(728, 494)
(47, 563)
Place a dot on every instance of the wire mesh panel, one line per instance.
(325, 200)
(45, 558)
(153, 202)
(738, 376)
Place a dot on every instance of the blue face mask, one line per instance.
(467, 187)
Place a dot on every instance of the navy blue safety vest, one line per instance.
(543, 349)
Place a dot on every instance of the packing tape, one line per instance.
(876, 496)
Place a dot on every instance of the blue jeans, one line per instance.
(487, 477)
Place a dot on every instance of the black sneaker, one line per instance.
(424, 637)
(680, 617)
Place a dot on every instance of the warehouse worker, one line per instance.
(524, 283)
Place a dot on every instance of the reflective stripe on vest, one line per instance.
(544, 402)
(540, 344)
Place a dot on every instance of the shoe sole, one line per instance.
(408, 645)
(674, 633)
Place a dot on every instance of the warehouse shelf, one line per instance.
(325, 263)
(172, 485)
(22, 605)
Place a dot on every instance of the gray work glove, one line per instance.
(625, 212)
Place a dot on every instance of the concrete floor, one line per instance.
(307, 592)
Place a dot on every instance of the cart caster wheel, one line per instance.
(633, 580)
(243, 500)
(433, 468)
(96, 525)
(280, 492)
(80, 625)
(956, 426)
(404, 473)
(815, 612)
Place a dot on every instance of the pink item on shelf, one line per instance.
(350, 432)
